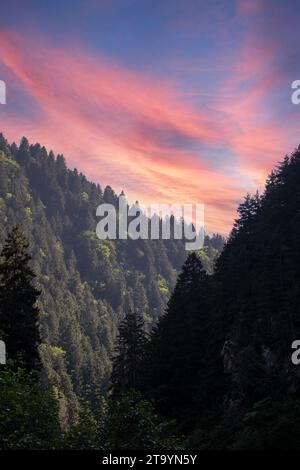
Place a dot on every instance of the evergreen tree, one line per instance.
(18, 313)
(177, 349)
(130, 351)
(29, 413)
(132, 423)
(87, 284)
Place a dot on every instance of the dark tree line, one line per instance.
(87, 285)
(219, 360)
(30, 412)
(129, 354)
(19, 315)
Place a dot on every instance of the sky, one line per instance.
(172, 101)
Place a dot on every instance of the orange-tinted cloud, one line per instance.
(127, 130)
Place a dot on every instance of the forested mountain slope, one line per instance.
(87, 284)
(220, 361)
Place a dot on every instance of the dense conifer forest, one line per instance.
(220, 359)
(85, 285)
(133, 344)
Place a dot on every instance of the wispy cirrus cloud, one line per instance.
(158, 138)
(116, 125)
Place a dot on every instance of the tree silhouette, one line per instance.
(18, 313)
(130, 351)
(178, 347)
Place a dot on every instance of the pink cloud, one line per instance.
(124, 129)
(247, 7)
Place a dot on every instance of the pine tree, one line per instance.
(88, 284)
(131, 343)
(178, 346)
(18, 313)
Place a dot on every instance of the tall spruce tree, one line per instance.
(18, 313)
(130, 350)
(178, 346)
(88, 284)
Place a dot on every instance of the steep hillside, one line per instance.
(87, 284)
(221, 359)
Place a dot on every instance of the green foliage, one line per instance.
(87, 285)
(130, 350)
(85, 434)
(8, 161)
(19, 317)
(28, 413)
(127, 423)
(224, 357)
(270, 425)
(178, 354)
(162, 285)
(84, 196)
(266, 425)
(132, 423)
